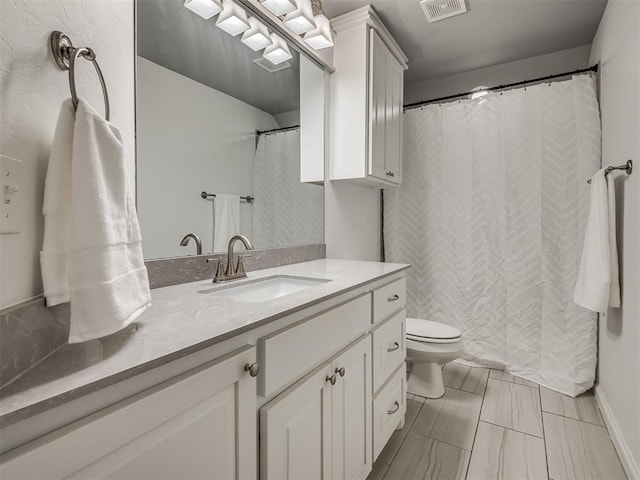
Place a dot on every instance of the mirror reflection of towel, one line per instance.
(226, 220)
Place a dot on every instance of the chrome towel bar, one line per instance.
(627, 167)
(248, 198)
(65, 55)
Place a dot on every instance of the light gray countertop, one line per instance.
(179, 322)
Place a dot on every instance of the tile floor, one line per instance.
(492, 425)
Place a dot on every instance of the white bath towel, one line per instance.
(107, 281)
(614, 284)
(226, 220)
(598, 266)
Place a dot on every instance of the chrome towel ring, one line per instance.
(65, 56)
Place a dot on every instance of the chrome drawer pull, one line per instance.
(331, 379)
(395, 409)
(395, 347)
(394, 298)
(252, 368)
(341, 371)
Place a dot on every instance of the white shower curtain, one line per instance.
(492, 214)
(286, 211)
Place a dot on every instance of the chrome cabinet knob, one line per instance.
(395, 347)
(341, 371)
(393, 298)
(396, 407)
(252, 368)
(331, 379)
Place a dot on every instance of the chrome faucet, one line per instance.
(185, 241)
(231, 272)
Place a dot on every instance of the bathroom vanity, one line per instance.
(217, 382)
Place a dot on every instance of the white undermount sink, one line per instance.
(264, 289)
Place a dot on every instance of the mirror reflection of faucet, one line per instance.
(185, 241)
(231, 272)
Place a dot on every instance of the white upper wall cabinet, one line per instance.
(366, 101)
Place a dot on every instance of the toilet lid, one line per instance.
(418, 328)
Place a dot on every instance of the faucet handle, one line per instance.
(240, 267)
(219, 270)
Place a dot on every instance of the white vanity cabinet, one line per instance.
(335, 421)
(320, 428)
(328, 394)
(199, 425)
(366, 101)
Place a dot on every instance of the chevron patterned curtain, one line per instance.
(491, 214)
(286, 212)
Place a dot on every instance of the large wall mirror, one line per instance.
(214, 116)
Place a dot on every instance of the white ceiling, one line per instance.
(172, 36)
(490, 33)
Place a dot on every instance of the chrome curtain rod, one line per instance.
(627, 167)
(276, 130)
(411, 106)
(248, 198)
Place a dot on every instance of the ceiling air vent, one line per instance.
(440, 9)
(270, 67)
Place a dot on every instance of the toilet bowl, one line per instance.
(429, 346)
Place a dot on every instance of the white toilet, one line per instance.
(429, 346)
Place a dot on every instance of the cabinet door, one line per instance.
(378, 55)
(351, 403)
(201, 425)
(393, 119)
(295, 431)
(386, 92)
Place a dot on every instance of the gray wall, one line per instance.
(617, 48)
(32, 89)
(549, 64)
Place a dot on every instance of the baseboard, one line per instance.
(629, 463)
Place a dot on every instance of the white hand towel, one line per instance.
(107, 280)
(596, 267)
(226, 220)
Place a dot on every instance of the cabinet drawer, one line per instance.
(389, 299)
(389, 348)
(389, 408)
(290, 353)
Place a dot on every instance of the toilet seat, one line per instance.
(428, 331)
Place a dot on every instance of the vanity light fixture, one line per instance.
(233, 18)
(278, 51)
(205, 8)
(279, 7)
(301, 19)
(257, 37)
(321, 37)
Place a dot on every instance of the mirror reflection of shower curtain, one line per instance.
(286, 212)
(491, 215)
